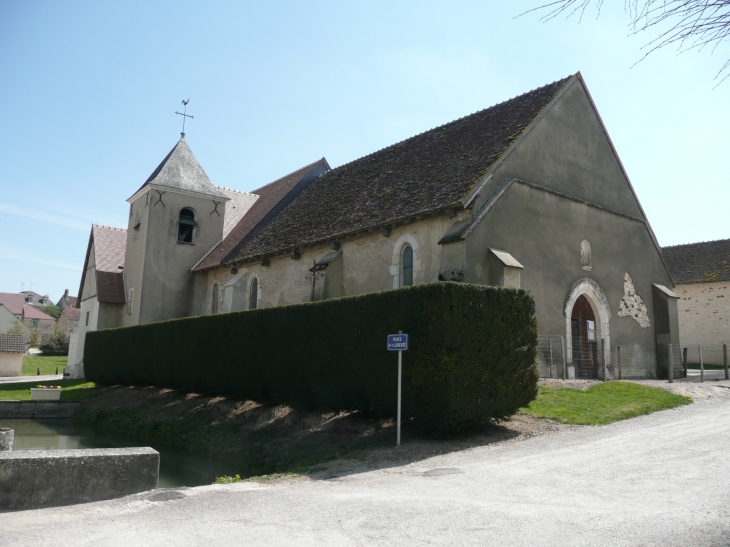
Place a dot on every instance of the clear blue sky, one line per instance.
(88, 92)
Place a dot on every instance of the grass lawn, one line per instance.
(47, 364)
(696, 366)
(72, 390)
(601, 404)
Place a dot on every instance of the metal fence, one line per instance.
(633, 361)
(551, 356)
(705, 361)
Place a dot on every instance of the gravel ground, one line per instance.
(655, 480)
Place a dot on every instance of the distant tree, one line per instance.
(50, 309)
(17, 328)
(55, 344)
(688, 24)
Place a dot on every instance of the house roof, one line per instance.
(29, 312)
(704, 262)
(109, 248)
(180, 170)
(13, 302)
(426, 173)
(73, 314)
(272, 198)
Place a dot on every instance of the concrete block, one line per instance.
(7, 435)
(45, 478)
(35, 409)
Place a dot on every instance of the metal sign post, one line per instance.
(398, 342)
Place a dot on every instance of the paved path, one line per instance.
(18, 379)
(661, 479)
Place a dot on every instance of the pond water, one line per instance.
(177, 468)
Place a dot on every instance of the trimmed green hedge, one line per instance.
(471, 358)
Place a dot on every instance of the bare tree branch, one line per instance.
(686, 24)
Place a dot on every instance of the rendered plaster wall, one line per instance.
(11, 363)
(704, 313)
(8, 322)
(134, 258)
(368, 264)
(89, 288)
(90, 306)
(567, 150)
(167, 285)
(544, 233)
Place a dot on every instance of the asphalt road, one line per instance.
(661, 479)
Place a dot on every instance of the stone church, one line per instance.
(528, 193)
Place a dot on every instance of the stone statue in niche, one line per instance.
(585, 255)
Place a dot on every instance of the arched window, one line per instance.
(214, 303)
(406, 266)
(185, 226)
(253, 294)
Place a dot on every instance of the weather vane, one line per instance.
(184, 114)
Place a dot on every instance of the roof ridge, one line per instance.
(290, 174)
(108, 227)
(695, 243)
(451, 122)
(234, 190)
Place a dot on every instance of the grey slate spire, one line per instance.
(180, 170)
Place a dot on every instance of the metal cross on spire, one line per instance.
(313, 277)
(184, 114)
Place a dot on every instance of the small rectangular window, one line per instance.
(130, 301)
(87, 319)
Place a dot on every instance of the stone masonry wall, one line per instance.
(704, 313)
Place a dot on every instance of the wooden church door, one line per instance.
(585, 345)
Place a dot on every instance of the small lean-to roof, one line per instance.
(110, 246)
(704, 262)
(272, 198)
(180, 170)
(12, 343)
(426, 173)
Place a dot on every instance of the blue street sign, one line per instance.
(397, 342)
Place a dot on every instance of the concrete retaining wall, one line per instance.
(38, 409)
(44, 478)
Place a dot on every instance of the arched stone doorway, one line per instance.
(584, 340)
(587, 318)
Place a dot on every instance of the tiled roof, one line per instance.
(12, 343)
(704, 262)
(110, 244)
(109, 248)
(13, 302)
(239, 204)
(29, 312)
(73, 314)
(180, 170)
(423, 174)
(110, 287)
(272, 198)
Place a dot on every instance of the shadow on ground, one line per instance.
(266, 439)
